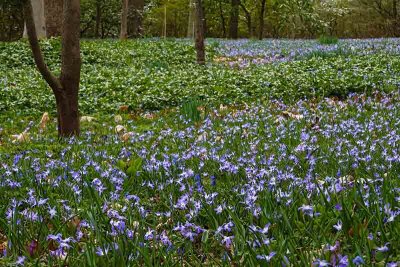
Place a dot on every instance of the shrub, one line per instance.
(328, 40)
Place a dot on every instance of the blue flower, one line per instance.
(267, 258)
(358, 260)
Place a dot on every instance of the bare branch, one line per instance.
(52, 80)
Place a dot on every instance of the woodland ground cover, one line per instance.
(155, 74)
(291, 182)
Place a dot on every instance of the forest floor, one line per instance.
(276, 152)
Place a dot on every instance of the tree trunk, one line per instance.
(223, 26)
(70, 70)
(395, 19)
(262, 13)
(135, 18)
(199, 26)
(248, 19)
(39, 19)
(54, 23)
(98, 19)
(234, 20)
(66, 87)
(191, 30)
(124, 20)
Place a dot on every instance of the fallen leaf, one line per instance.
(21, 138)
(118, 118)
(119, 129)
(123, 108)
(287, 114)
(45, 119)
(126, 136)
(149, 116)
(222, 107)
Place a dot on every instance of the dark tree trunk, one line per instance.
(135, 18)
(204, 21)
(395, 19)
(234, 20)
(66, 87)
(248, 19)
(223, 25)
(199, 29)
(262, 13)
(98, 18)
(70, 70)
(52, 11)
(124, 20)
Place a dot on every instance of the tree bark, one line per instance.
(135, 18)
(124, 20)
(98, 18)
(234, 20)
(37, 7)
(52, 11)
(191, 30)
(66, 87)
(70, 70)
(262, 13)
(200, 31)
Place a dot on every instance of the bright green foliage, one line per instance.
(153, 74)
(328, 40)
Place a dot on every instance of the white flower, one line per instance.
(338, 226)
(87, 119)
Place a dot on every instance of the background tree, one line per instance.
(11, 20)
(248, 16)
(124, 20)
(200, 31)
(234, 19)
(66, 87)
(135, 18)
(261, 19)
(225, 18)
(388, 10)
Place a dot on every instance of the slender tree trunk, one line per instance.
(165, 21)
(223, 25)
(234, 20)
(66, 87)
(199, 26)
(248, 19)
(191, 30)
(39, 19)
(124, 20)
(98, 18)
(262, 13)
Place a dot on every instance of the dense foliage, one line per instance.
(154, 74)
(278, 18)
(308, 184)
(11, 20)
(275, 153)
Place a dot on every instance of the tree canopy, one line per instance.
(255, 18)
